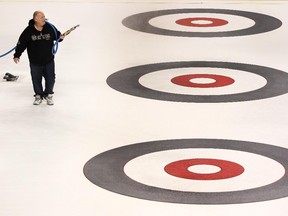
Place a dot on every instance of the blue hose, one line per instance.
(7, 52)
(54, 48)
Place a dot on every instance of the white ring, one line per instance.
(259, 170)
(161, 81)
(234, 22)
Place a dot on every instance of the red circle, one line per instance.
(185, 80)
(180, 169)
(214, 22)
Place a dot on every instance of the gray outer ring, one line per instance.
(263, 23)
(127, 81)
(106, 171)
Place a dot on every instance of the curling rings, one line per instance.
(127, 81)
(106, 170)
(141, 22)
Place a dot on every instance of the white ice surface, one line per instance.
(43, 149)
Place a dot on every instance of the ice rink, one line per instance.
(120, 117)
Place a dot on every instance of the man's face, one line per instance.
(40, 19)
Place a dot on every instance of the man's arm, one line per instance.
(21, 46)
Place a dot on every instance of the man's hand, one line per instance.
(16, 60)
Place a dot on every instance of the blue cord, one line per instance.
(7, 52)
(54, 48)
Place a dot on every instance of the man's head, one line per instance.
(39, 18)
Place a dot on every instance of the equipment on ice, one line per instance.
(10, 77)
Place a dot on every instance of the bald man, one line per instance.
(38, 37)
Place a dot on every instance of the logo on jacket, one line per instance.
(41, 37)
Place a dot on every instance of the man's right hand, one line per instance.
(16, 60)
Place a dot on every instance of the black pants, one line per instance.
(48, 72)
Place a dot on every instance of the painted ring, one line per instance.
(127, 81)
(106, 171)
(263, 23)
(180, 169)
(212, 22)
(187, 80)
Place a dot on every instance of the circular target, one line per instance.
(127, 81)
(142, 22)
(107, 170)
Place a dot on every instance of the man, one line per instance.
(39, 39)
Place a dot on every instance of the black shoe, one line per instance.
(10, 77)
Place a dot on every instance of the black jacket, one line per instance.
(38, 43)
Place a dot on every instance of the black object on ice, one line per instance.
(10, 77)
